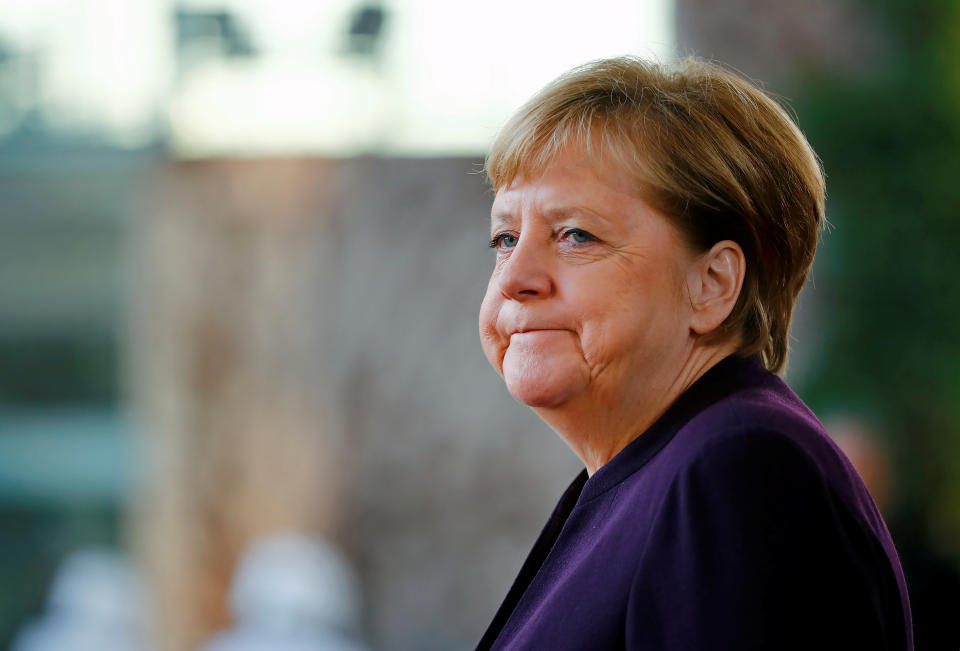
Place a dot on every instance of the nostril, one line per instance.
(525, 276)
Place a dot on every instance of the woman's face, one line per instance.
(587, 298)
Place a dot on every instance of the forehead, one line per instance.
(571, 181)
(598, 144)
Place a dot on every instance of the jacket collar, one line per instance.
(727, 376)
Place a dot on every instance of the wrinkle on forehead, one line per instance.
(606, 185)
(608, 169)
(613, 153)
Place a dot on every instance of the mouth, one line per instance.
(534, 334)
(523, 331)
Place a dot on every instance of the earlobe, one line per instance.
(717, 285)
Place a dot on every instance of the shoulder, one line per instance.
(739, 423)
(761, 421)
(754, 474)
(758, 449)
(759, 516)
(759, 513)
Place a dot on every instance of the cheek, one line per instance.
(626, 314)
(490, 339)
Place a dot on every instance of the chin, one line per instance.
(535, 397)
(543, 392)
(544, 370)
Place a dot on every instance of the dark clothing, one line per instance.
(733, 522)
(933, 581)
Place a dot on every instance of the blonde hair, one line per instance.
(709, 150)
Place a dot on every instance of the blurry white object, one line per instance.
(96, 603)
(291, 593)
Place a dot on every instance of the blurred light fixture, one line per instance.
(205, 33)
(334, 78)
(366, 27)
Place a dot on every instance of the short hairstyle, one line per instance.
(710, 151)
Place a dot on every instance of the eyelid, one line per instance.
(575, 230)
(498, 238)
(564, 233)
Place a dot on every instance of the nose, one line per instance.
(528, 273)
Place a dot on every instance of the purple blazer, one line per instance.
(733, 522)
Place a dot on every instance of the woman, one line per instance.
(653, 228)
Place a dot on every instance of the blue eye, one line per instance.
(504, 240)
(579, 235)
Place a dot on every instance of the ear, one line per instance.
(714, 282)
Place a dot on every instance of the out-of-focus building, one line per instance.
(276, 209)
(260, 227)
(778, 42)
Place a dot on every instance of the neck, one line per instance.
(598, 426)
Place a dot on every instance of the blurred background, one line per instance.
(242, 248)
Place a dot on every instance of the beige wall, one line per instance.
(304, 356)
(774, 40)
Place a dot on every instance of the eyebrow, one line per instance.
(502, 218)
(573, 211)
